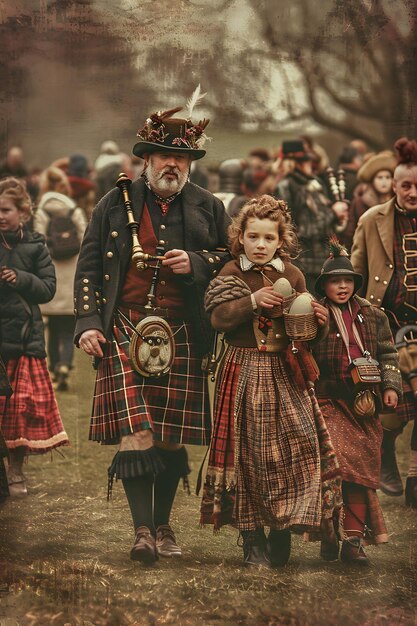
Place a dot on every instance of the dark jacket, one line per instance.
(21, 326)
(313, 216)
(106, 252)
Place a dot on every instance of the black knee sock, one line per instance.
(139, 494)
(166, 483)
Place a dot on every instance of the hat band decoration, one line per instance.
(179, 134)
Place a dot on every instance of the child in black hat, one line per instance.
(358, 373)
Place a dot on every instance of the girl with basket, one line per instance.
(359, 374)
(271, 462)
(30, 420)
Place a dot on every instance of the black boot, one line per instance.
(329, 551)
(279, 547)
(254, 548)
(411, 492)
(390, 479)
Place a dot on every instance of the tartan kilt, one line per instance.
(271, 460)
(175, 406)
(30, 417)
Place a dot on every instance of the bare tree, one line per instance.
(356, 60)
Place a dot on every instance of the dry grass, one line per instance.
(64, 557)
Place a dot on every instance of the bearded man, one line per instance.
(151, 417)
(384, 252)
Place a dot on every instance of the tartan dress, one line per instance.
(271, 460)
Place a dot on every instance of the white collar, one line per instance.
(246, 265)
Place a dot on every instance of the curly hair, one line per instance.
(265, 207)
(406, 150)
(15, 189)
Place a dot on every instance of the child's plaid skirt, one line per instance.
(30, 417)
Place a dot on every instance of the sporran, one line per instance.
(152, 347)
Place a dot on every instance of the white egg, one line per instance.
(282, 286)
(302, 304)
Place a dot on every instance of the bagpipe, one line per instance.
(152, 345)
(337, 186)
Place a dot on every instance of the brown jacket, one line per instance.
(372, 250)
(235, 317)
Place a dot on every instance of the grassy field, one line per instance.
(64, 556)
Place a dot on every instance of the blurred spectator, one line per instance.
(320, 156)
(250, 188)
(60, 212)
(83, 188)
(198, 175)
(108, 166)
(54, 179)
(230, 180)
(13, 165)
(136, 166)
(361, 148)
(375, 187)
(260, 163)
(213, 177)
(33, 183)
(350, 161)
(313, 213)
(5, 391)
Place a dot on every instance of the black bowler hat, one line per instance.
(295, 149)
(338, 263)
(164, 133)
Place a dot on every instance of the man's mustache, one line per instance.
(170, 170)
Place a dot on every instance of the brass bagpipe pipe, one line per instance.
(139, 257)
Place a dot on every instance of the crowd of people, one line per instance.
(307, 404)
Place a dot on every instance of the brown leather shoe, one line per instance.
(144, 548)
(17, 482)
(166, 543)
(352, 551)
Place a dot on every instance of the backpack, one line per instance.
(62, 236)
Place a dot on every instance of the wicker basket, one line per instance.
(287, 302)
(301, 326)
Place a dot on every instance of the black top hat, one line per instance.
(337, 264)
(164, 133)
(295, 149)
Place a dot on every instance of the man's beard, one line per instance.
(162, 185)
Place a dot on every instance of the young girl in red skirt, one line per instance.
(30, 420)
(271, 461)
(358, 330)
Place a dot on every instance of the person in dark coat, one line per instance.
(314, 214)
(30, 421)
(151, 417)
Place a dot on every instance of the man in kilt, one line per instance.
(151, 418)
(383, 251)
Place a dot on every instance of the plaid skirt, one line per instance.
(271, 460)
(30, 417)
(175, 406)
